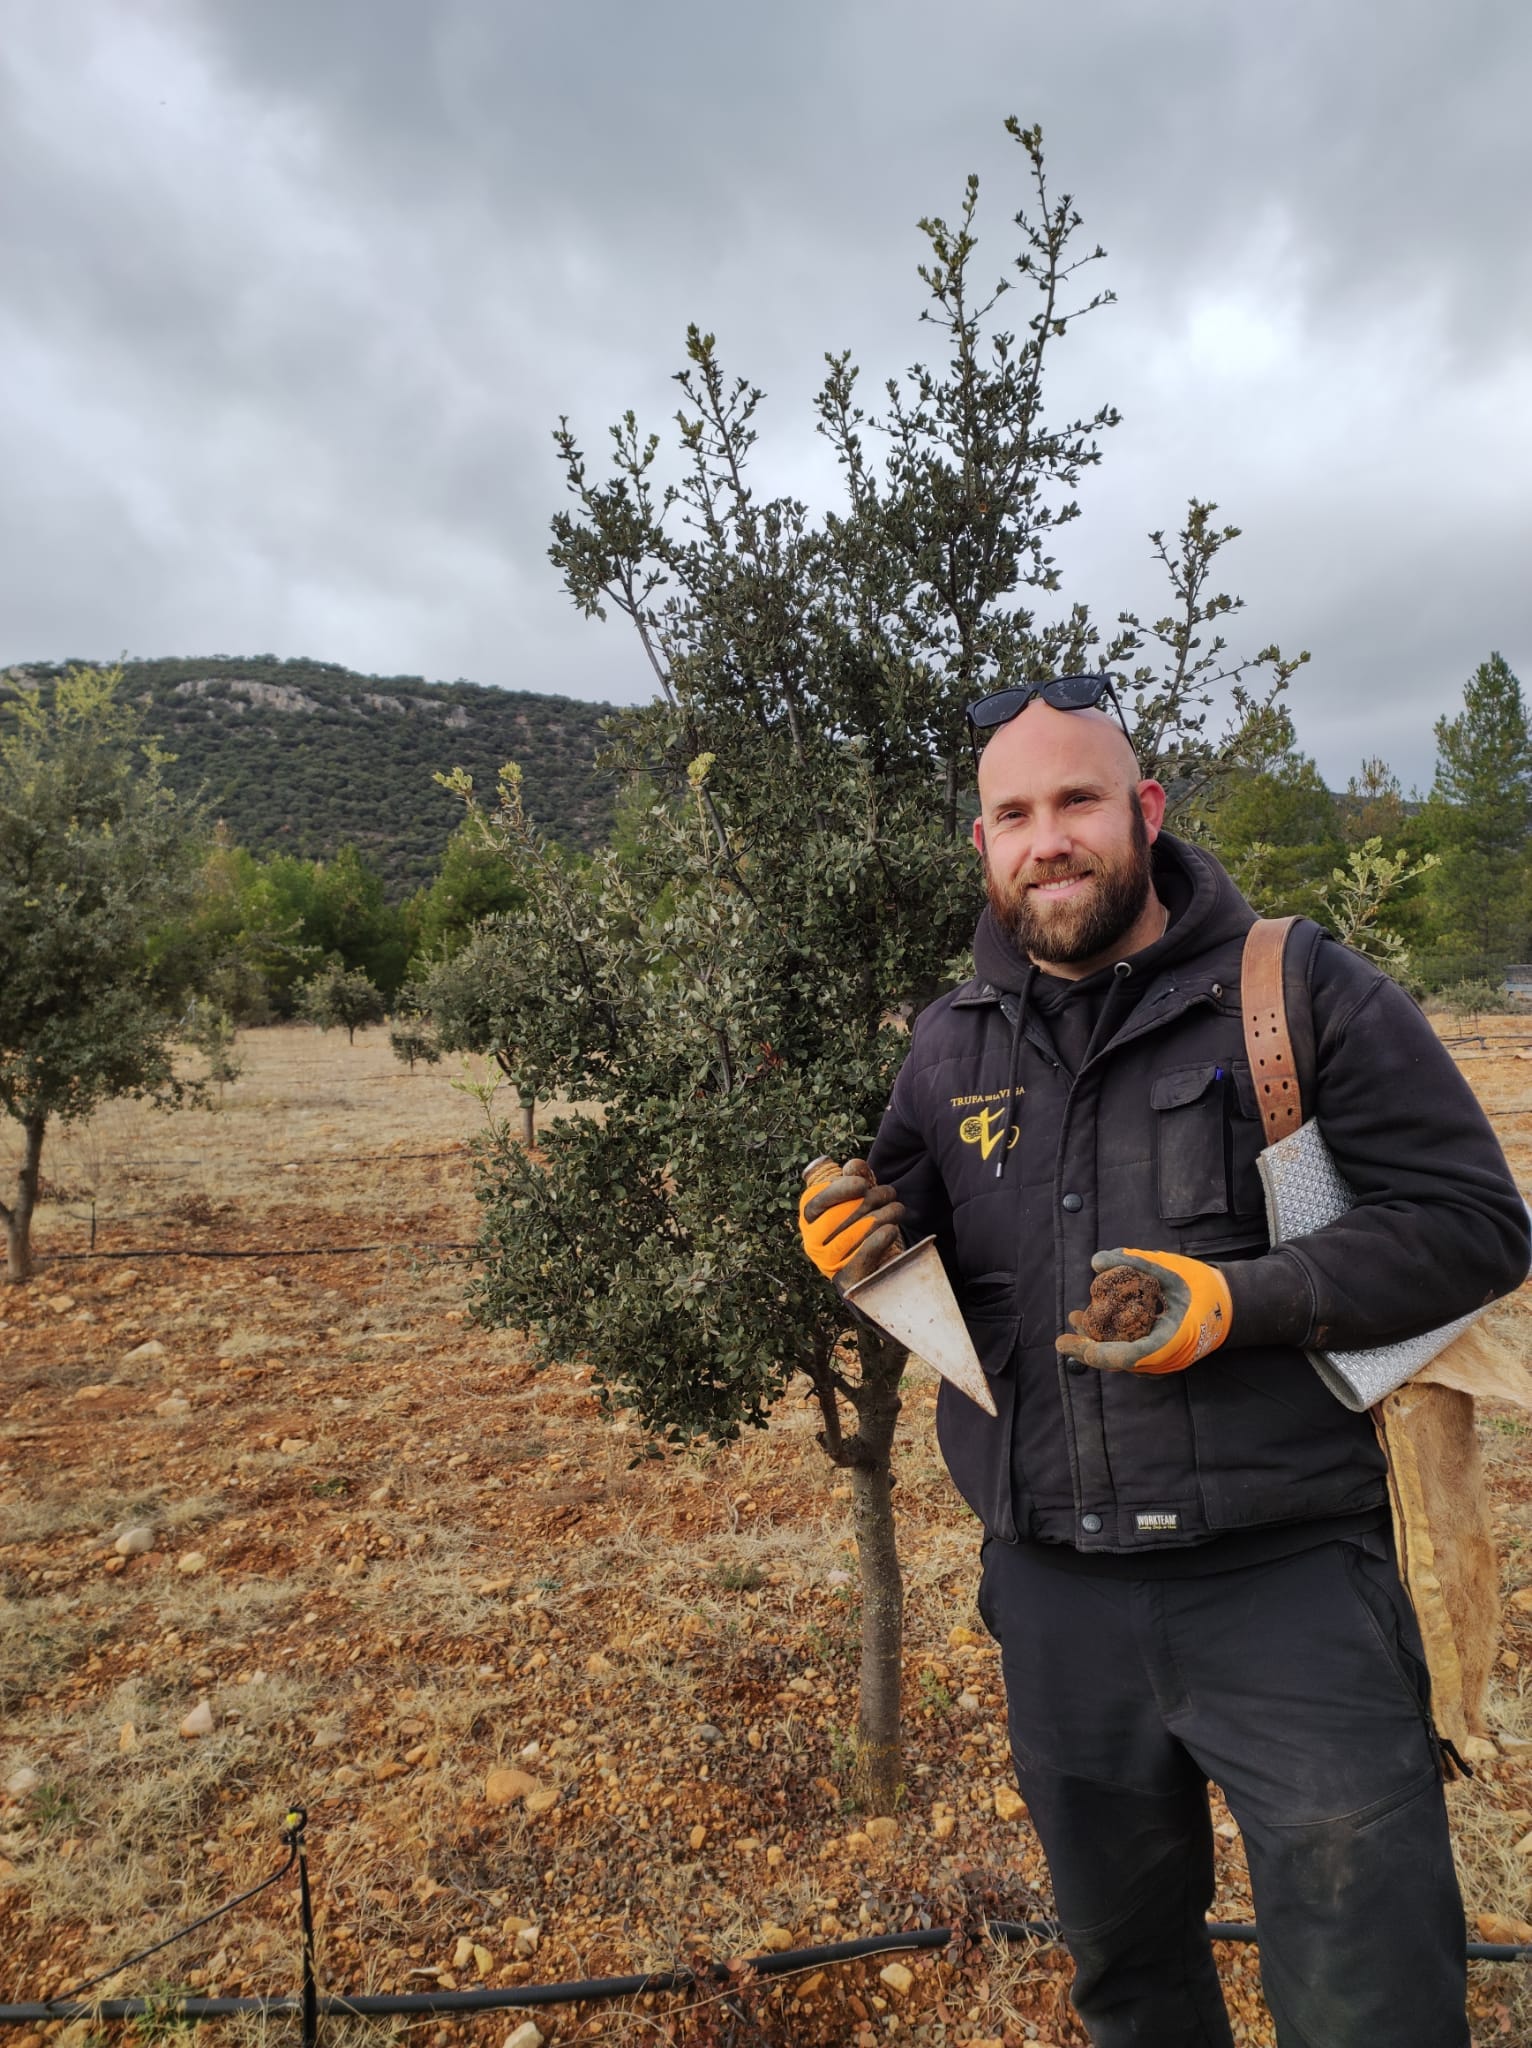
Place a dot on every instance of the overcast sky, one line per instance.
(293, 292)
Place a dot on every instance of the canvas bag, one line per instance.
(1421, 1392)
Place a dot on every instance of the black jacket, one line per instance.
(1036, 1121)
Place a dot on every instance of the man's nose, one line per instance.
(1050, 836)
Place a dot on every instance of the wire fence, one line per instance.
(708, 1980)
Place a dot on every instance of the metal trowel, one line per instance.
(911, 1300)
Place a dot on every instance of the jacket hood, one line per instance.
(1204, 905)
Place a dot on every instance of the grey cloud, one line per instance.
(297, 291)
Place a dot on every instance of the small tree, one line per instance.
(1479, 816)
(209, 1027)
(95, 859)
(412, 1033)
(344, 996)
(490, 993)
(732, 989)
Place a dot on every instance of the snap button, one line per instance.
(1091, 1524)
(1078, 1365)
(1073, 1203)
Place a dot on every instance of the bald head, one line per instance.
(1062, 743)
(1066, 827)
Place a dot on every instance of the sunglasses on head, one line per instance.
(1064, 693)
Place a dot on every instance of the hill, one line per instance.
(302, 757)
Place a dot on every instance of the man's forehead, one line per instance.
(1042, 748)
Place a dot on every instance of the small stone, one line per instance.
(505, 1787)
(543, 1800)
(884, 1829)
(858, 1843)
(968, 1702)
(597, 1666)
(191, 1563)
(172, 1406)
(748, 1845)
(127, 1738)
(198, 1722)
(153, 1348)
(1524, 1846)
(944, 1826)
(462, 1955)
(776, 1938)
(1226, 1831)
(22, 1781)
(525, 1941)
(1503, 1928)
(527, 2035)
(837, 1578)
(1478, 1749)
(135, 1541)
(61, 1304)
(706, 1732)
(1009, 1804)
(776, 1857)
(293, 1446)
(896, 1977)
(483, 1961)
(1521, 1600)
(962, 1639)
(697, 1836)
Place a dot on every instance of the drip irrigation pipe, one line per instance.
(314, 1251)
(594, 1990)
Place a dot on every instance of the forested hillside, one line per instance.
(303, 757)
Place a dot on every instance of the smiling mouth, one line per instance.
(1060, 885)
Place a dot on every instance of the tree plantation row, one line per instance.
(724, 989)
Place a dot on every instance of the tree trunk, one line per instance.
(528, 1136)
(18, 1221)
(875, 1780)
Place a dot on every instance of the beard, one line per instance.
(1085, 925)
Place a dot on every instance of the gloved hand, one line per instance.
(849, 1224)
(1197, 1319)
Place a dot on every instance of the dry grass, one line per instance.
(462, 1559)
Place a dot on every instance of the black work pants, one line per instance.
(1297, 1686)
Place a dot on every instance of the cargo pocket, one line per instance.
(1191, 1171)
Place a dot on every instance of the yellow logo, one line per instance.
(986, 1130)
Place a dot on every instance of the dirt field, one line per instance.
(392, 1557)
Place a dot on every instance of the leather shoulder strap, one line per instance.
(1268, 1041)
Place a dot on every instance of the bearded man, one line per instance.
(1187, 1559)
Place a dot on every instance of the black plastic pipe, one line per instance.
(594, 1990)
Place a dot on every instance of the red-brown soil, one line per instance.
(393, 1553)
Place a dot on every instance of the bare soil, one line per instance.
(393, 1553)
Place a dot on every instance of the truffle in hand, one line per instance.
(1125, 1305)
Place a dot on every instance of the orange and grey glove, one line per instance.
(1197, 1318)
(848, 1223)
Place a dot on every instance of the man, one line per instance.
(1187, 1560)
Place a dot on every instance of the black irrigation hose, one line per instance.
(314, 1251)
(594, 1990)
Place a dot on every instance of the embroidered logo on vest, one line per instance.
(1152, 1524)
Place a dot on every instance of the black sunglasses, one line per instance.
(1064, 693)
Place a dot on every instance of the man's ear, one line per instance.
(978, 834)
(1151, 797)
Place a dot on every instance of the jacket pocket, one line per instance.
(1208, 1137)
(1190, 1170)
